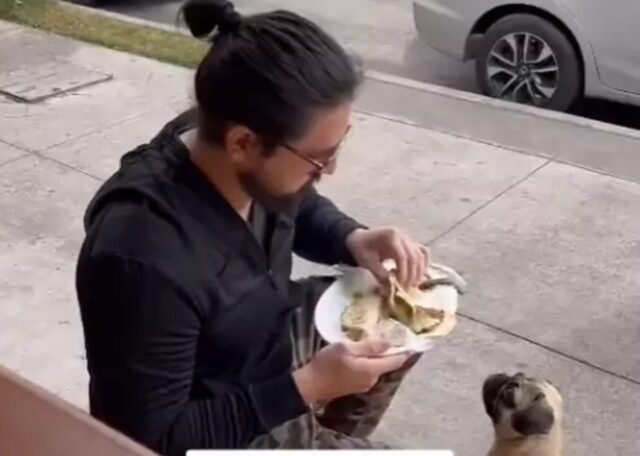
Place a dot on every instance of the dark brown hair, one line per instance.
(269, 72)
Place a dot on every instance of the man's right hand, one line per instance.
(342, 369)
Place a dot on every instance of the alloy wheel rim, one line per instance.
(522, 67)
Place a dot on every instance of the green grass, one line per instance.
(61, 19)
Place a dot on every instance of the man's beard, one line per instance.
(273, 203)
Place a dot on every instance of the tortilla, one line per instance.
(369, 316)
(402, 315)
(359, 320)
(426, 321)
(399, 304)
(394, 332)
(445, 327)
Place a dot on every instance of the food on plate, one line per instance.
(360, 319)
(399, 304)
(426, 320)
(363, 320)
(404, 306)
(397, 334)
(400, 315)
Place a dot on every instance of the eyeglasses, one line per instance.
(319, 165)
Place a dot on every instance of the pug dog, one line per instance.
(526, 413)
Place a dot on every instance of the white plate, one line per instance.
(357, 280)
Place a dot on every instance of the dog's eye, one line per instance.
(539, 397)
(510, 388)
(508, 395)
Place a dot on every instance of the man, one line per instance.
(195, 335)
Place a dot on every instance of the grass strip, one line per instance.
(56, 17)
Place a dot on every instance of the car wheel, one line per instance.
(526, 59)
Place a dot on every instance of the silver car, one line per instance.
(546, 53)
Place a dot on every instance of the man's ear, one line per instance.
(242, 145)
(536, 419)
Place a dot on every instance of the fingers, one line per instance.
(383, 365)
(369, 354)
(411, 258)
(415, 264)
(422, 262)
(426, 260)
(367, 357)
(378, 270)
(369, 348)
(392, 363)
(401, 256)
(410, 261)
(419, 261)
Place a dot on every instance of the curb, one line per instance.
(503, 105)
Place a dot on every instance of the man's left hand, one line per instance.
(371, 247)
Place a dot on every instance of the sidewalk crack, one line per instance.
(489, 202)
(548, 348)
(14, 159)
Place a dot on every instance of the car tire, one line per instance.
(536, 79)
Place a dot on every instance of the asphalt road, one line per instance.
(383, 34)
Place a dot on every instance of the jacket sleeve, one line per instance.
(141, 334)
(321, 231)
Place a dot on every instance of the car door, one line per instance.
(611, 28)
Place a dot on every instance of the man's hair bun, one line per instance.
(203, 17)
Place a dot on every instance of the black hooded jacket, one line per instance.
(185, 316)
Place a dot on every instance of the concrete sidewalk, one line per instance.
(541, 215)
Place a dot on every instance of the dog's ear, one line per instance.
(490, 390)
(537, 418)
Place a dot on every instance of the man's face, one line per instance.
(277, 179)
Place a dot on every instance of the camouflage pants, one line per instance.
(345, 423)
